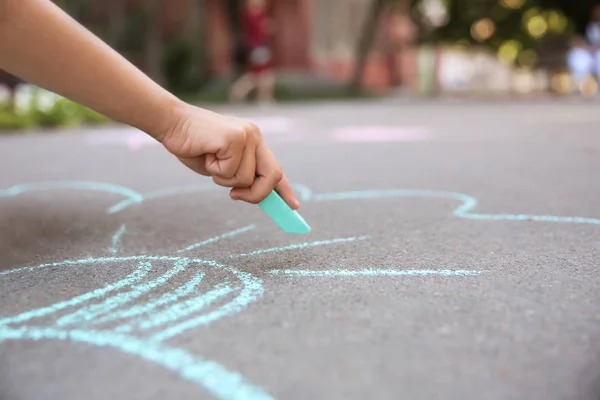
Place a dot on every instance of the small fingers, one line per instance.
(270, 176)
(226, 162)
(287, 193)
(196, 164)
(257, 192)
(244, 176)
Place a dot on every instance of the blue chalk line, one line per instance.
(215, 378)
(216, 238)
(165, 299)
(187, 307)
(140, 272)
(159, 194)
(94, 311)
(304, 193)
(301, 246)
(17, 190)
(463, 211)
(249, 291)
(115, 239)
(373, 272)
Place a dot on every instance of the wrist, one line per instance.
(169, 112)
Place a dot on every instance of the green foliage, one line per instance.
(36, 112)
(184, 66)
(10, 120)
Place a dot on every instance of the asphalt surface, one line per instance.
(460, 262)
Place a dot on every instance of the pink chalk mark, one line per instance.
(382, 133)
(134, 140)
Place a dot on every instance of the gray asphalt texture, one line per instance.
(528, 327)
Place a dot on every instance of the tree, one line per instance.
(153, 46)
(117, 23)
(365, 43)
(577, 11)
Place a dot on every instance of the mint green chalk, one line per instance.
(283, 215)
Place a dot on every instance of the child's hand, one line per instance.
(230, 150)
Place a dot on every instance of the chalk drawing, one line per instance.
(270, 125)
(300, 246)
(176, 191)
(182, 291)
(115, 239)
(132, 197)
(374, 272)
(302, 191)
(133, 139)
(463, 211)
(142, 313)
(17, 190)
(216, 238)
(275, 129)
(216, 379)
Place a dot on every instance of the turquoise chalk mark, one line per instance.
(378, 194)
(302, 246)
(140, 272)
(252, 289)
(159, 194)
(165, 299)
(94, 310)
(182, 310)
(463, 211)
(374, 272)
(131, 197)
(218, 381)
(216, 238)
(92, 260)
(304, 193)
(115, 239)
(215, 378)
(16, 190)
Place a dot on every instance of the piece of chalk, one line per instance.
(283, 215)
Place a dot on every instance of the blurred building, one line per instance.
(311, 35)
(321, 36)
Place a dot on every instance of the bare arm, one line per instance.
(43, 45)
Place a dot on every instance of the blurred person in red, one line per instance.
(257, 32)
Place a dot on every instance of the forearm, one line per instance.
(43, 45)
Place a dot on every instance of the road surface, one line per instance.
(454, 254)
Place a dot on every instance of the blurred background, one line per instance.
(336, 49)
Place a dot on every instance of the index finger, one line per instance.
(287, 193)
(282, 186)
